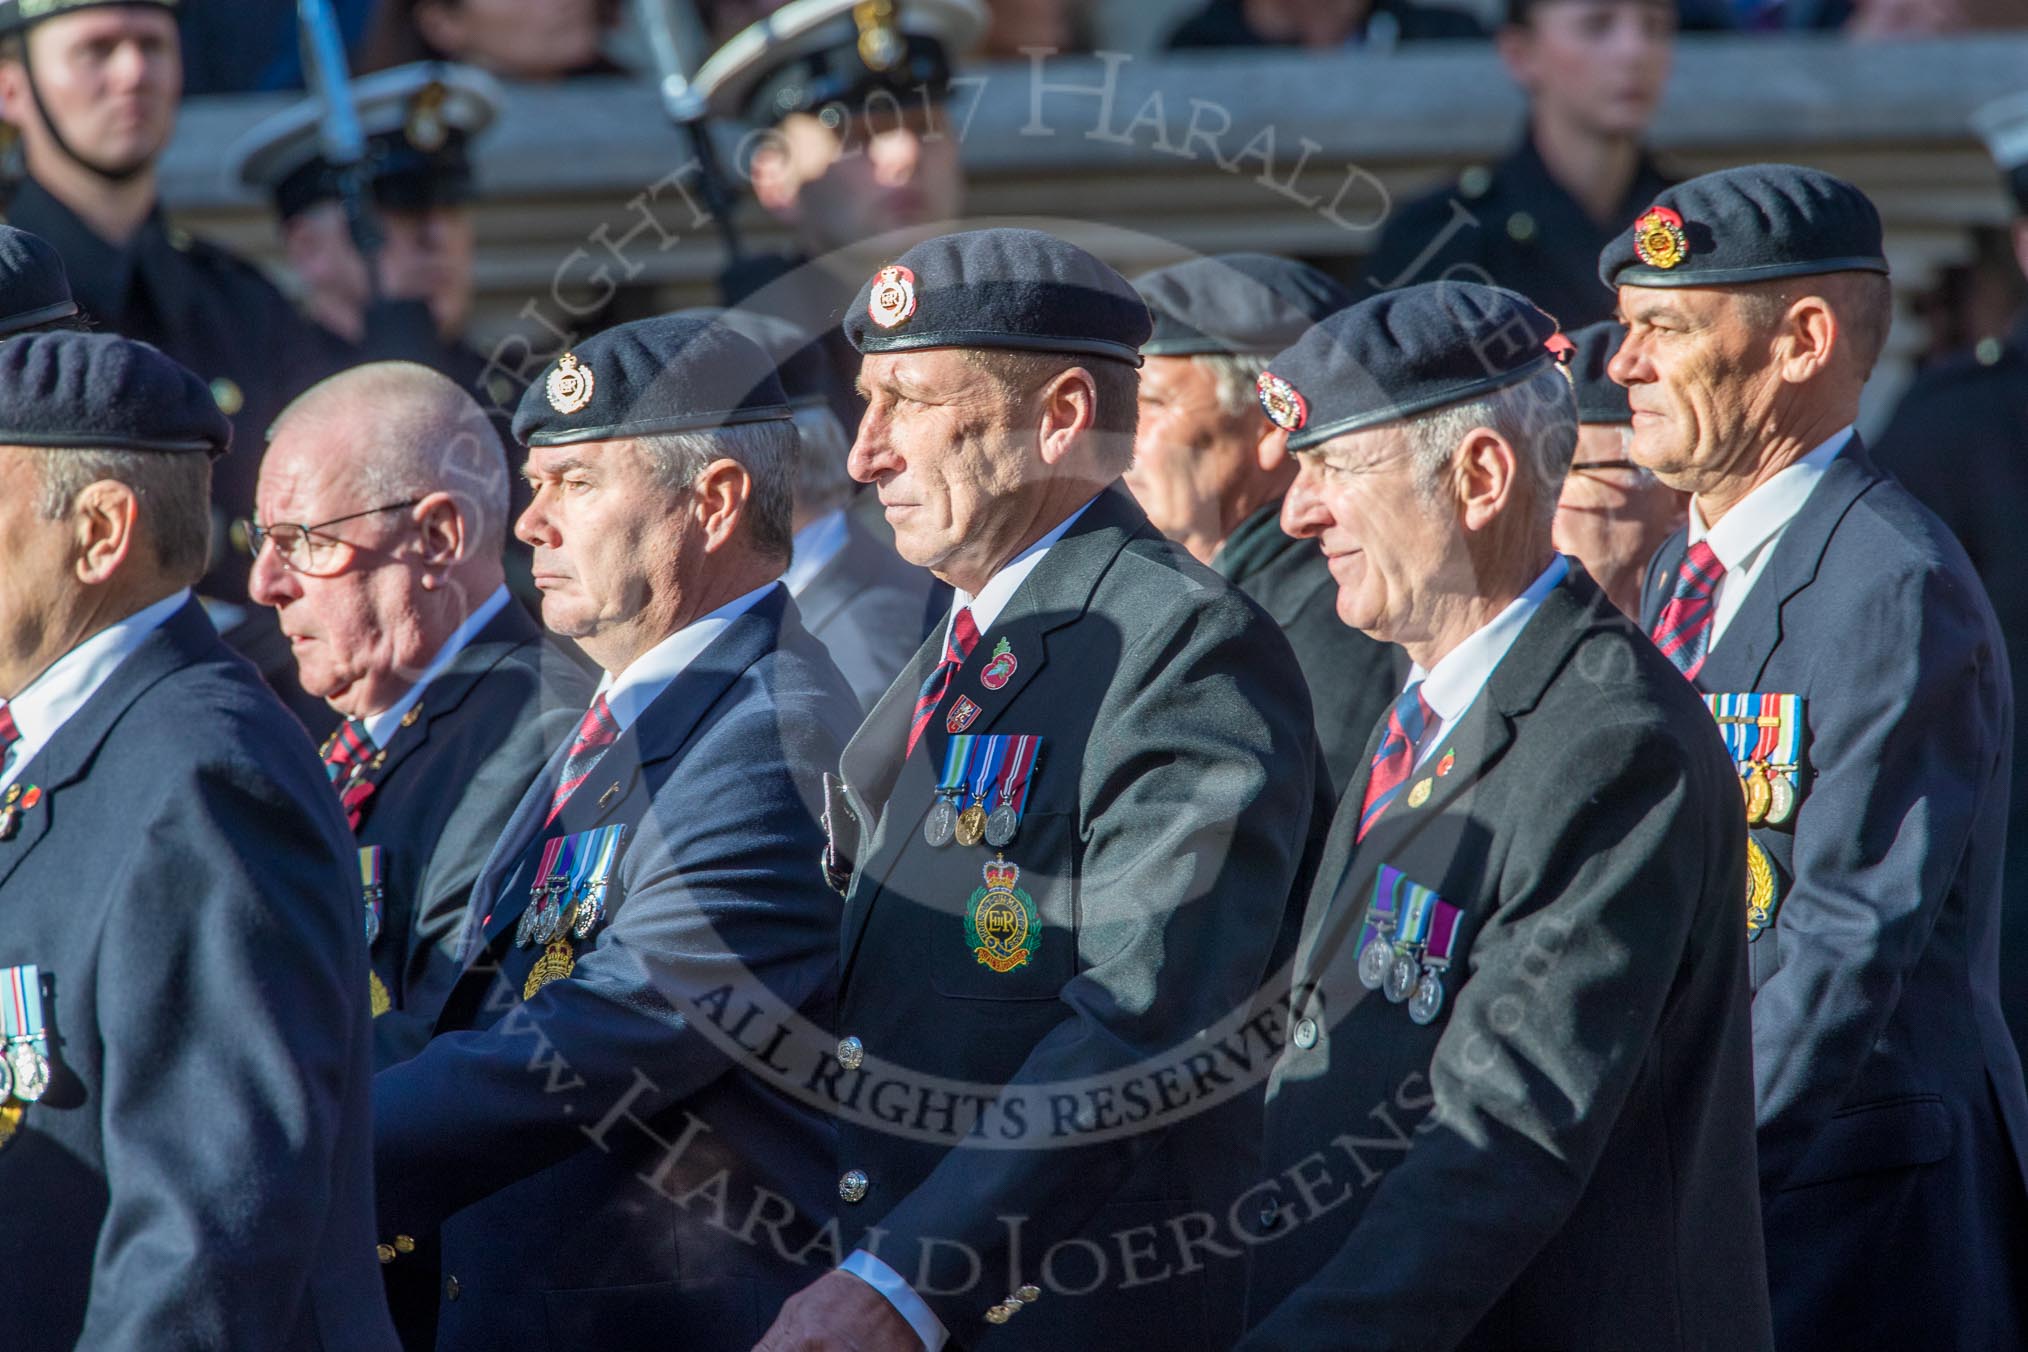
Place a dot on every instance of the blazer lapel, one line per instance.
(501, 636)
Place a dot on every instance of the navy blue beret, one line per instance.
(1756, 223)
(34, 288)
(1599, 399)
(672, 373)
(1251, 303)
(1405, 352)
(798, 356)
(65, 390)
(1000, 288)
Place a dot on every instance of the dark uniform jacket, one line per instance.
(1563, 1157)
(1892, 1121)
(866, 607)
(199, 1174)
(1352, 678)
(610, 1165)
(1165, 829)
(1511, 226)
(454, 772)
(1959, 441)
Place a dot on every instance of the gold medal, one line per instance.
(972, 825)
(556, 963)
(10, 1119)
(1758, 796)
(1760, 888)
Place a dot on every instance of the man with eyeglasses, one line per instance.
(383, 513)
(1612, 515)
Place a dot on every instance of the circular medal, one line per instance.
(1761, 892)
(30, 1070)
(548, 920)
(6, 1080)
(1429, 999)
(1758, 795)
(372, 924)
(1781, 800)
(971, 826)
(524, 931)
(1373, 963)
(941, 824)
(1000, 826)
(591, 908)
(1401, 978)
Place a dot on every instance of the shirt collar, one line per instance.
(1000, 589)
(1455, 681)
(1761, 514)
(68, 682)
(381, 726)
(648, 675)
(815, 546)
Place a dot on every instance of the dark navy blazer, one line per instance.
(608, 1168)
(198, 1175)
(1893, 1129)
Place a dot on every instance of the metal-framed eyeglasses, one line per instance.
(308, 549)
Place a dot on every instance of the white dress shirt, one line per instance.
(1452, 686)
(648, 675)
(985, 608)
(381, 726)
(64, 686)
(1745, 537)
(815, 546)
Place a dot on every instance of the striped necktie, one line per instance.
(1683, 633)
(9, 733)
(1394, 761)
(597, 732)
(348, 755)
(958, 645)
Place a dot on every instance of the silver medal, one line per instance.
(591, 908)
(1374, 961)
(524, 932)
(1429, 999)
(30, 1071)
(941, 824)
(1000, 826)
(6, 1080)
(372, 924)
(548, 920)
(1401, 978)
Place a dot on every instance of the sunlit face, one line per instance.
(616, 550)
(1190, 455)
(356, 635)
(517, 39)
(845, 179)
(425, 255)
(1391, 551)
(40, 558)
(1613, 515)
(110, 79)
(1600, 64)
(1699, 377)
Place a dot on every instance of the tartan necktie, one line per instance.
(347, 757)
(594, 734)
(1683, 632)
(9, 733)
(1394, 760)
(958, 645)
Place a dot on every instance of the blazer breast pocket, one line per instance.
(1006, 929)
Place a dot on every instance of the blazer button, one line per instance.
(1270, 1214)
(1028, 1295)
(851, 1053)
(999, 1314)
(852, 1187)
(1306, 1034)
(451, 1288)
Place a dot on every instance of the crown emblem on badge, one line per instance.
(570, 385)
(1658, 238)
(1001, 876)
(1284, 407)
(893, 298)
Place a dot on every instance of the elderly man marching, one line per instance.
(1521, 969)
(1842, 640)
(1067, 841)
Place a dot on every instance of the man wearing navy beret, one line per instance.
(184, 1147)
(1210, 470)
(1067, 841)
(585, 1132)
(1516, 1107)
(1856, 668)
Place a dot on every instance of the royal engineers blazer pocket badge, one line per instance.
(1408, 942)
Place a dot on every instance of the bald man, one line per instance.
(382, 516)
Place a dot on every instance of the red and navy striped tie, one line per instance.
(958, 645)
(1684, 631)
(1394, 760)
(9, 733)
(597, 732)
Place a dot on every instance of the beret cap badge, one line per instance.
(570, 385)
(1658, 238)
(1284, 406)
(893, 298)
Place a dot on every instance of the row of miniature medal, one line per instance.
(1407, 942)
(991, 769)
(569, 890)
(24, 1066)
(1763, 734)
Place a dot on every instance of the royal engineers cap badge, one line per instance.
(1658, 238)
(570, 385)
(893, 298)
(1001, 926)
(1285, 408)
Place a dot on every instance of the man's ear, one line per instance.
(442, 528)
(723, 494)
(1807, 339)
(1485, 471)
(1068, 403)
(105, 520)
